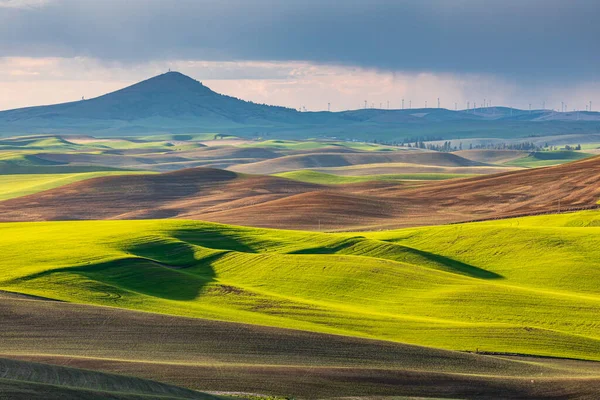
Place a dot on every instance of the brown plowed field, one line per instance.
(211, 355)
(228, 197)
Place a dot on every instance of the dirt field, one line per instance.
(210, 355)
(224, 196)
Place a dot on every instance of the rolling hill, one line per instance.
(25, 380)
(458, 287)
(183, 193)
(173, 103)
(211, 355)
(18, 185)
(269, 201)
(545, 158)
(574, 185)
(329, 160)
(323, 178)
(492, 156)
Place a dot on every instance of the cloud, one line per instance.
(530, 42)
(26, 81)
(22, 3)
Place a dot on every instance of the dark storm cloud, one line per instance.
(524, 39)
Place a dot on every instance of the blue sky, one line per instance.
(307, 53)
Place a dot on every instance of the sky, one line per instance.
(311, 54)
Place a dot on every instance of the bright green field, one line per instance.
(18, 185)
(590, 146)
(548, 158)
(528, 285)
(330, 179)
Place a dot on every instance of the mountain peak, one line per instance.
(169, 82)
(174, 76)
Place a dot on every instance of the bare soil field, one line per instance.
(219, 356)
(266, 201)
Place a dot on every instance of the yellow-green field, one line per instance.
(548, 158)
(527, 285)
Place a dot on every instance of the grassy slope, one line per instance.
(330, 179)
(547, 158)
(17, 185)
(590, 146)
(530, 288)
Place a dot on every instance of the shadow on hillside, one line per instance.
(142, 276)
(333, 248)
(409, 255)
(457, 267)
(212, 238)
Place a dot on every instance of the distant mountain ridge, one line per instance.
(175, 103)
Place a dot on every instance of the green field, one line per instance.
(527, 286)
(28, 163)
(68, 144)
(590, 146)
(48, 143)
(331, 179)
(548, 158)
